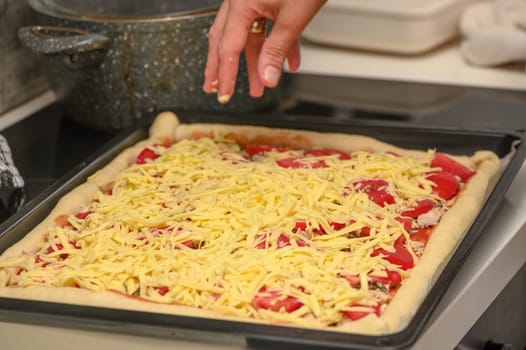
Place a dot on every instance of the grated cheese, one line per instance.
(184, 229)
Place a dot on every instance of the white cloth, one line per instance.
(494, 32)
(9, 176)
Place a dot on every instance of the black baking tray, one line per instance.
(508, 144)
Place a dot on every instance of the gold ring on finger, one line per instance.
(258, 26)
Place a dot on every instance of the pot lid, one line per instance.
(117, 10)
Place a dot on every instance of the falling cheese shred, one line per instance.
(201, 225)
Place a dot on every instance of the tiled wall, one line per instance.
(21, 73)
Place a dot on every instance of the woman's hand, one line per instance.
(265, 56)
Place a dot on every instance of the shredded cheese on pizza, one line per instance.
(278, 234)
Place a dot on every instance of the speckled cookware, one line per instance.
(114, 62)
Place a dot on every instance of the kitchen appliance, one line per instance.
(111, 62)
(473, 104)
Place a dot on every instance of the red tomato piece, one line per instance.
(274, 301)
(421, 207)
(337, 225)
(291, 163)
(62, 220)
(451, 166)
(393, 278)
(400, 256)
(446, 184)
(74, 244)
(326, 152)
(370, 185)
(298, 164)
(258, 149)
(162, 290)
(354, 280)
(376, 190)
(400, 240)
(364, 232)
(422, 234)
(83, 214)
(189, 243)
(50, 250)
(381, 197)
(300, 226)
(282, 242)
(356, 315)
(145, 155)
(406, 222)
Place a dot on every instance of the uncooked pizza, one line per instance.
(325, 230)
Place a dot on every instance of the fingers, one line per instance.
(252, 51)
(215, 33)
(229, 37)
(231, 45)
(294, 58)
(282, 42)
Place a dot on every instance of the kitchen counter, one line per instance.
(444, 65)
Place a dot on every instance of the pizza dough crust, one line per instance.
(166, 127)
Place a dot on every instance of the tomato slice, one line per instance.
(451, 166)
(376, 190)
(145, 155)
(326, 152)
(275, 301)
(59, 246)
(259, 149)
(364, 231)
(381, 197)
(354, 280)
(189, 243)
(400, 256)
(282, 241)
(393, 278)
(83, 214)
(421, 207)
(300, 226)
(406, 222)
(446, 184)
(162, 290)
(62, 220)
(421, 235)
(356, 315)
(295, 163)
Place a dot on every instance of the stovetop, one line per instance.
(46, 145)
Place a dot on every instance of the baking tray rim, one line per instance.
(255, 334)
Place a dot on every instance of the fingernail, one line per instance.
(223, 99)
(215, 83)
(271, 75)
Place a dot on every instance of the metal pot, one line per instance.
(111, 62)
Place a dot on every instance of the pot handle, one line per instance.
(76, 48)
